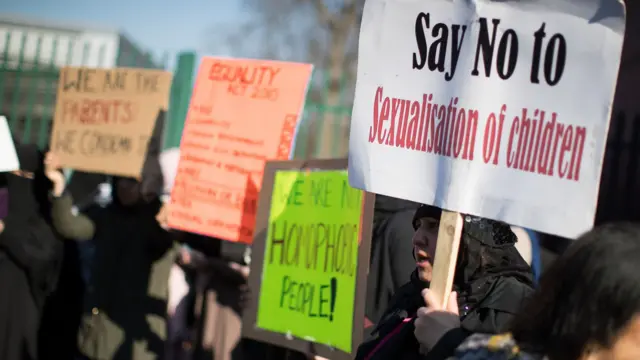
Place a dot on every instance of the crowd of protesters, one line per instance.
(109, 280)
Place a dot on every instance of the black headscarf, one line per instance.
(32, 168)
(29, 237)
(491, 280)
(487, 252)
(30, 190)
(150, 184)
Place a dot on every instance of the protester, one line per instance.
(391, 262)
(219, 288)
(181, 294)
(220, 270)
(491, 281)
(63, 309)
(180, 307)
(29, 256)
(125, 304)
(587, 306)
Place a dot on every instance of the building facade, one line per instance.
(31, 53)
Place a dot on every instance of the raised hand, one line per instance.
(53, 172)
(242, 269)
(163, 216)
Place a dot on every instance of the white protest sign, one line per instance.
(8, 157)
(496, 109)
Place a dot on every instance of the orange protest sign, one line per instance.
(104, 118)
(242, 113)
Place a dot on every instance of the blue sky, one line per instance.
(156, 25)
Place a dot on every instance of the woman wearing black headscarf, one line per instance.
(124, 305)
(29, 256)
(491, 282)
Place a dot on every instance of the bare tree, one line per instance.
(323, 32)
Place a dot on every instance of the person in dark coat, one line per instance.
(491, 282)
(29, 256)
(62, 312)
(391, 247)
(121, 302)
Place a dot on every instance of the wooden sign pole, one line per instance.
(444, 266)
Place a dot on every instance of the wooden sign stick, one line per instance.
(444, 266)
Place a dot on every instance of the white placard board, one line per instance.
(169, 159)
(496, 109)
(8, 157)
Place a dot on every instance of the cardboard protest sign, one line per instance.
(104, 118)
(499, 110)
(8, 156)
(310, 259)
(242, 113)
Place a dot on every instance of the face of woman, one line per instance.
(424, 246)
(626, 346)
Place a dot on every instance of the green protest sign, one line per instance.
(310, 255)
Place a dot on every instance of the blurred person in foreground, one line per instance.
(124, 307)
(30, 255)
(491, 282)
(587, 306)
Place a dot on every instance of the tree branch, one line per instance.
(323, 14)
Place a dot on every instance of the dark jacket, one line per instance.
(391, 261)
(117, 302)
(29, 256)
(492, 281)
(62, 312)
(124, 306)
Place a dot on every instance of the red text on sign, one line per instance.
(98, 111)
(424, 126)
(545, 146)
(244, 74)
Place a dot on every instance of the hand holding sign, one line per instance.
(53, 173)
(434, 305)
(242, 269)
(163, 215)
(185, 256)
(435, 320)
